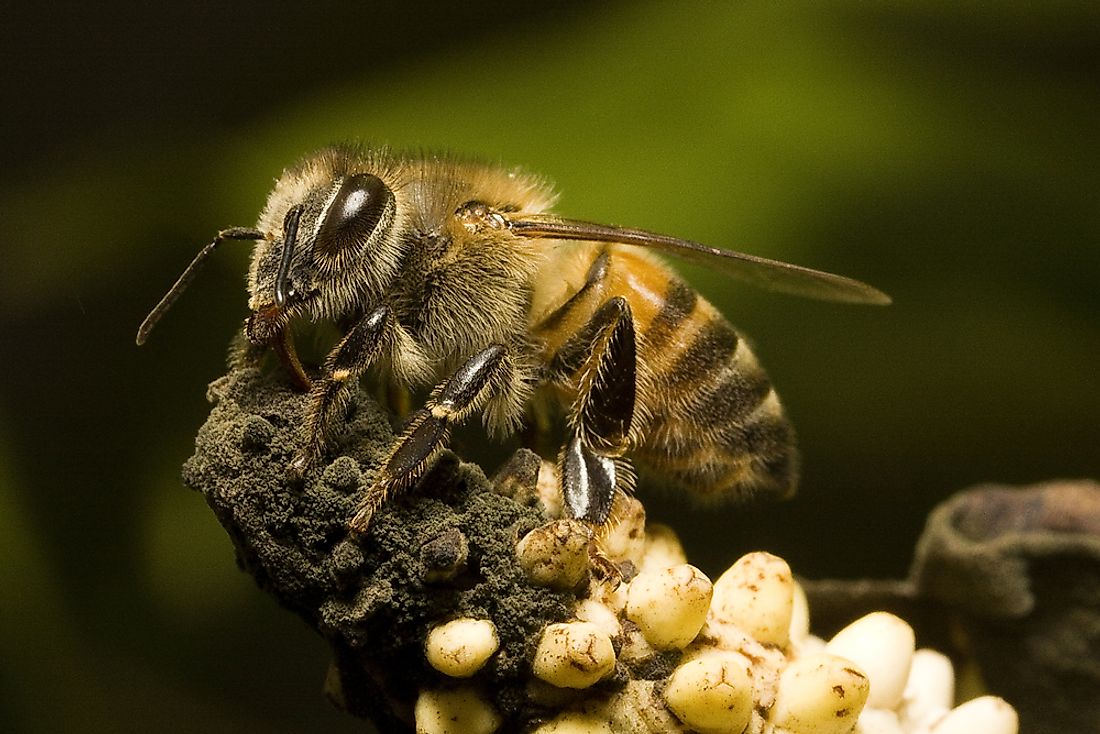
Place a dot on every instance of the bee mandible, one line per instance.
(457, 274)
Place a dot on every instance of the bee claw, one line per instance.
(606, 571)
(298, 467)
(372, 500)
(360, 521)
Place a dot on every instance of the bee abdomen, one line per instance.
(716, 426)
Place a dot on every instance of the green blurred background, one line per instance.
(948, 153)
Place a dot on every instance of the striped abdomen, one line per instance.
(709, 420)
(716, 425)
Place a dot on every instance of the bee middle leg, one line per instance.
(603, 355)
(428, 429)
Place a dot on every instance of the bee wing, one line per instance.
(759, 271)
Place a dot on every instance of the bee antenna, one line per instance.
(290, 234)
(173, 294)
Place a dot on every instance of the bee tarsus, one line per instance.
(427, 431)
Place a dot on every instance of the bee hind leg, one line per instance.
(360, 347)
(428, 429)
(604, 358)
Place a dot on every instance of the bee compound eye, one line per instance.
(354, 213)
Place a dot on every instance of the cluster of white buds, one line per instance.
(743, 660)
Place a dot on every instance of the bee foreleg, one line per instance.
(426, 432)
(361, 346)
(592, 463)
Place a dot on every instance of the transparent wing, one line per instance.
(759, 271)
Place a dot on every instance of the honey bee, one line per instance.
(454, 273)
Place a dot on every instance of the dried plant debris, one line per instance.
(448, 554)
(1013, 574)
(1019, 568)
(474, 606)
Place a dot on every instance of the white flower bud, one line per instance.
(712, 694)
(599, 614)
(987, 714)
(634, 648)
(573, 655)
(555, 554)
(624, 539)
(800, 615)
(929, 689)
(637, 709)
(662, 548)
(757, 594)
(878, 721)
(575, 723)
(819, 694)
(548, 489)
(458, 711)
(669, 605)
(811, 644)
(881, 645)
(461, 647)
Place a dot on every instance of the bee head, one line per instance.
(334, 251)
